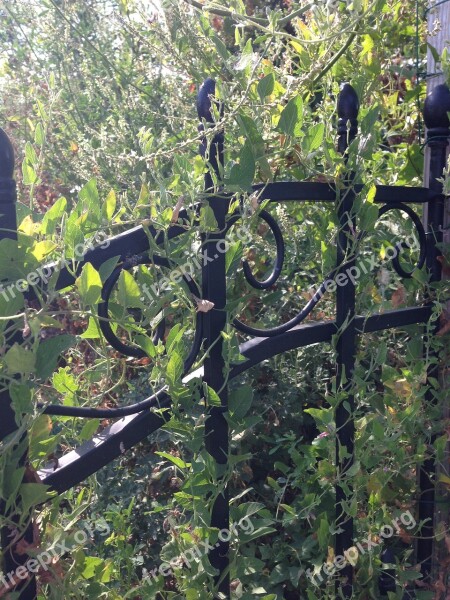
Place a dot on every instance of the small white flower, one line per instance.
(203, 305)
(383, 277)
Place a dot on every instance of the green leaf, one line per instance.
(12, 258)
(370, 198)
(64, 382)
(30, 154)
(52, 216)
(21, 398)
(175, 335)
(174, 459)
(144, 195)
(73, 236)
(109, 205)
(42, 249)
(233, 257)
(89, 193)
(240, 401)
(20, 360)
(440, 444)
(381, 353)
(246, 59)
(314, 137)
(98, 568)
(266, 86)
(367, 45)
(246, 165)
(28, 173)
(39, 135)
(420, 275)
(90, 200)
(242, 174)
(92, 332)
(434, 53)
(220, 47)
(255, 141)
(107, 267)
(207, 219)
(368, 122)
(321, 415)
(42, 112)
(291, 119)
(89, 285)
(175, 369)
(248, 537)
(40, 429)
(147, 345)
(368, 216)
(12, 480)
(323, 532)
(33, 494)
(211, 396)
(49, 352)
(409, 576)
(424, 595)
(89, 429)
(10, 304)
(128, 291)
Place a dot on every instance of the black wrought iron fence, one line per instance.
(135, 422)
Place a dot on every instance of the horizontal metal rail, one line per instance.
(310, 191)
(75, 466)
(135, 241)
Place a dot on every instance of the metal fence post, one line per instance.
(8, 229)
(436, 109)
(214, 322)
(347, 106)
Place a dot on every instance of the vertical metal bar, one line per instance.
(437, 106)
(348, 106)
(8, 229)
(214, 322)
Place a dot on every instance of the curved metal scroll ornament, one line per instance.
(348, 105)
(279, 259)
(403, 245)
(134, 351)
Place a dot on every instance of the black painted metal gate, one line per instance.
(138, 421)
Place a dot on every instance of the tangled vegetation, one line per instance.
(98, 97)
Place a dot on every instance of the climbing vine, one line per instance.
(99, 100)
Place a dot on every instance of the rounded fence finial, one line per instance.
(347, 108)
(214, 149)
(348, 103)
(6, 156)
(205, 93)
(386, 581)
(437, 107)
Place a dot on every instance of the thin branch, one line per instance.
(223, 12)
(335, 58)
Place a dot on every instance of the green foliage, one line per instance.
(99, 99)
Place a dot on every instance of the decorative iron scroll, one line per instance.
(279, 258)
(105, 322)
